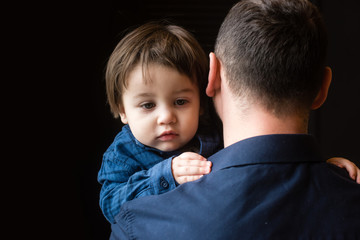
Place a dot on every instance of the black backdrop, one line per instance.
(68, 45)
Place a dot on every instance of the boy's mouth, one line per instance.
(167, 136)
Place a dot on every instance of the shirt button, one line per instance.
(163, 183)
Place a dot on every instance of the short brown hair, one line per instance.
(160, 43)
(275, 50)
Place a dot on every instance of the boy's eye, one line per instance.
(148, 105)
(180, 102)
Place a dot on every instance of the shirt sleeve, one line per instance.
(123, 182)
(122, 226)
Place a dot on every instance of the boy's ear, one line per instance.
(123, 115)
(324, 89)
(214, 82)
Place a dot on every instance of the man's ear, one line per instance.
(323, 92)
(214, 82)
(123, 115)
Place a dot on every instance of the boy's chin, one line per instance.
(169, 147)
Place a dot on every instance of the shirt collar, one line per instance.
(279, 148)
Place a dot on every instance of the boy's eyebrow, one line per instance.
(184, 90)
(145, 94)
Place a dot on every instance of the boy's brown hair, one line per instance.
(159, 43)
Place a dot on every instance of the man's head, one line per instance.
(273, 52)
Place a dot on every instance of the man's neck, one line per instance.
(238, 126)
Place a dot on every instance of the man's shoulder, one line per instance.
(248, 198)
(214, 207)
(185, 212)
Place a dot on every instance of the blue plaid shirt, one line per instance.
(130, 170)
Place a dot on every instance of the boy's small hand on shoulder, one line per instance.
(353, 170)
(189, 167)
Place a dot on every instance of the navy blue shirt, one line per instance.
(266, 187)
(130, 169)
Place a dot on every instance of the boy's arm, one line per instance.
(122, 183)
(353, 170)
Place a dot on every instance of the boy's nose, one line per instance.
(166, 116)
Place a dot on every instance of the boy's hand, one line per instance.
(353, 170)
(189, 167)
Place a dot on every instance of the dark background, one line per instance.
(62, 48)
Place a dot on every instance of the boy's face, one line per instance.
(162, 113)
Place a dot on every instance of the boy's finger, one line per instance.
(191, 170)
(198, 163)
(191, 156)
(350, 167)
(185, 179)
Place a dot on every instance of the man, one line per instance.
(270, 181)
